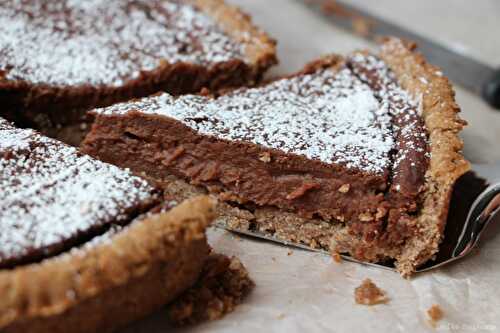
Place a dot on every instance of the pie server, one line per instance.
(471, 74)
(483, 211)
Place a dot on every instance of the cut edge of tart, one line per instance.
(410, 198)
(108, 283)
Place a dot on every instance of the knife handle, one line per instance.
(491, 90)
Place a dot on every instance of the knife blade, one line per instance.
(475, 76)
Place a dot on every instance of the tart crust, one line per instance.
(110, 284)
(260, 49)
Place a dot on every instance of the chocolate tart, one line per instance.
(85, 246)
(356, 155)
(61, 58)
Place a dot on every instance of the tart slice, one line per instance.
(59, 58)
(85, 246)
(356, 155)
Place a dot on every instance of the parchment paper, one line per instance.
(301, 291)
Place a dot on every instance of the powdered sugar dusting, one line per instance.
(408, 128)
(104, 42)
(52, 194)
(330, 116)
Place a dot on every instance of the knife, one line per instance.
(477, 77)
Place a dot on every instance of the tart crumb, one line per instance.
(344, 188)
(223, 284)
(265, 157)
(381, 212)
(369, 294)
(302, 190)
(435, 314)
(336, 257)
(365, 217)
(313, 243)
(341, 218)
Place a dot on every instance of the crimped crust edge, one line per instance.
(58, 284)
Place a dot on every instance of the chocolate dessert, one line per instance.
(84, 245)
(355, 154)
(60, 58)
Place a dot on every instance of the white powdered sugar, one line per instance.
(408, 127)
(105, 42)
(52, 194)
(330, 116)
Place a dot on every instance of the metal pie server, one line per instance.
(464, 228)
(471, 74)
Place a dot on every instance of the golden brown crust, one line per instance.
(260, 49)
(447, 164)
(139, 269)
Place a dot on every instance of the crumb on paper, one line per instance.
(369, 294)
(336, 257)
(435, 314)
(290, 253)
(223, 284)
